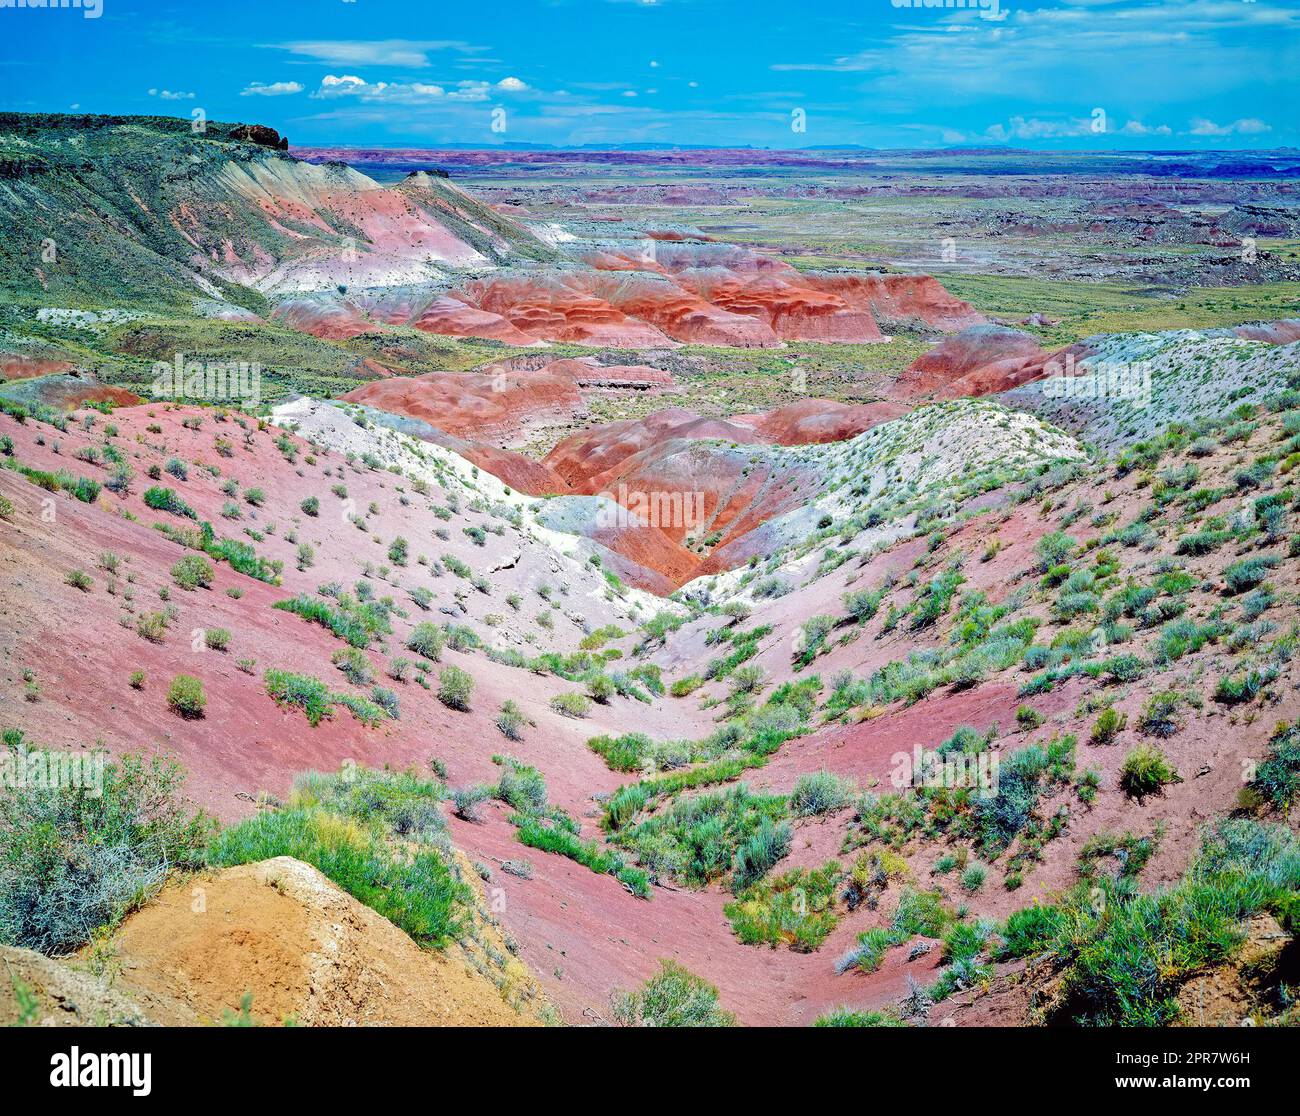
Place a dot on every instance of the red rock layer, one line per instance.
(977, 361)
(473, 405)
(1282, 332)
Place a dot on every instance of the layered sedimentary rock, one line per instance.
(978, 361)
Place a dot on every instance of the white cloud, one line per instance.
(170, 95)
(411, 53)
(1018, 127)
(1247, 127)
(512, 85)
(275, 89)
(1137, 128)
(397, 92)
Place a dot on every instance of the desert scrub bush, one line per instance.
(387, 701)
(309, 694)
(151, 626)
(1054, 549)
(918, 912)
(310, 506)
(862, 604)
(511, 721)
(973, 877)
(462, 638)
(812, 638)
(1109, 724)
(697, 838)
(558, 834)
(164, 499)
(467, 800)
(851, 1017)
(819, 792)
(684, 687)
(1161, 715)
(1023, 777)
(79, 579)
(455, 688)
(571, 705)
(794, 909)
(355, 622)
(1249, 572)
(932, 603)
(1146, 769)
(216, 639)
(1125, 960)
(623, 753)
(1236, 689)
(673, 997)
(401, 804)
(427, 640)
(757, 853)
(1277, 778)
(520, 786)
(76, 858)
(601, 687)
(355, 666)
(417, 892)
(185, 696)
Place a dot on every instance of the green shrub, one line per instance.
(1248, 572)
(358, 623)
(1108, 725)
(849, 1017)
(164, 499)
(427, 640)
(818, 792)
(1027, 717)
(1146, 769)
(794, 909)
(74, 859)
(1054, 549)
(193, 572)
(416, 892)
(571, 705)
(311, 695)
(1126, 960)
(686, 686)
(185, 695)
(1277, 779)
(520, 787)
(1160, 716)
(455, 688)
(673, 997)
(758, 852)
(511, 721)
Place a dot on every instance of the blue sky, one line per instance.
(1078, 74)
